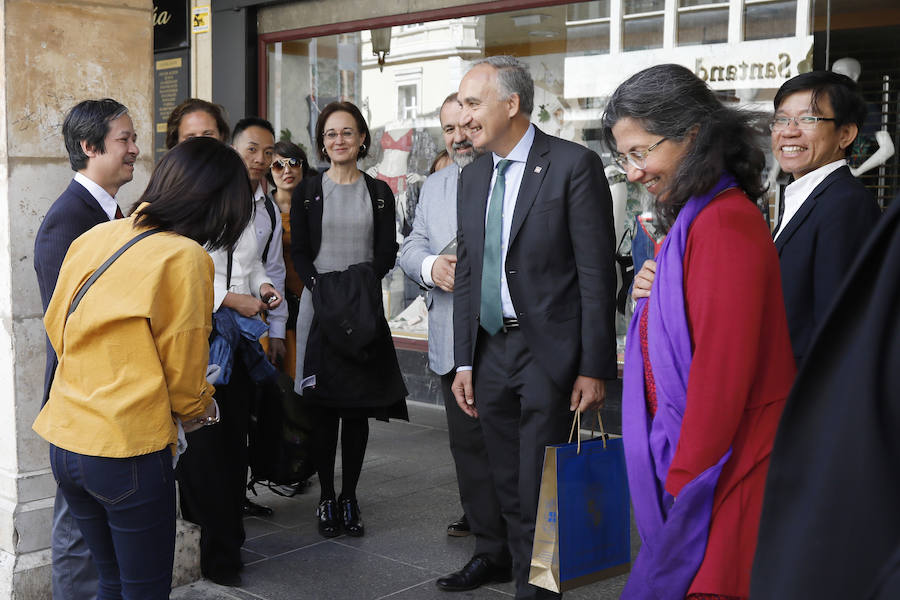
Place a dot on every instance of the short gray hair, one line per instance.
(514, 78)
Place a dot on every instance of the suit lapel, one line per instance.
(89, 201)
(477, 200)
(535, 169)
(808, 206)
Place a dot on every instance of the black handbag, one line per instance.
(280, 429)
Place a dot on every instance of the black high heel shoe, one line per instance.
(350, 515)
(329, 525)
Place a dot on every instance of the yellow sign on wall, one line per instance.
(200, 19)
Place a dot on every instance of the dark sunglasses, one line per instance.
(286, 162)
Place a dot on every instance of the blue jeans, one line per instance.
(125, 508)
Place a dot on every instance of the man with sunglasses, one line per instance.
(827, 212)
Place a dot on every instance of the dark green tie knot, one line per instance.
(502, 166)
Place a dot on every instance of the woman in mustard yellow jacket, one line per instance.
(133, 354)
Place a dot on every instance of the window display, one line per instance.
(578, 53)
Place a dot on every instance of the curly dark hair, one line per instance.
(347, 107)
(670, 101)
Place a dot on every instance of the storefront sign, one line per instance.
(170, 28)
(172, 81)
(758, 64)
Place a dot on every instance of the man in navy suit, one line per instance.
(534, 292)
(101, 142)
(828, 213)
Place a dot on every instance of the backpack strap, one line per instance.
(270, 208)
(87, 284)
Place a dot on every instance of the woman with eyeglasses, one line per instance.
(288, 169)
(343, 244)
(708, 361)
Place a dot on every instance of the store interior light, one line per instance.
(381, 44)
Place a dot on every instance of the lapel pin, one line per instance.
(537, 169)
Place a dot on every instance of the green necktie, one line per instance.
(491, 305)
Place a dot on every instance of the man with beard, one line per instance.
(428, 256)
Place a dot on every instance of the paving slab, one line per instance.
(408, 495)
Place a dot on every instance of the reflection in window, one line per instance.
(587, 11)
(643, 33)
(633, 7)
(407, 102)
(706, 26)
(588, 39)
(764, 19)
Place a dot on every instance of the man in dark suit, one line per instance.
(830, 527)
(534, 299)
(101, 143)
(422, 260)
(828, 213)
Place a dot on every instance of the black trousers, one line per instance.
(473, 474)
(212, 476)
(521, 411)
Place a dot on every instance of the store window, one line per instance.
(702, 22)
(587, 28)
(642, 27)
(569, 49)
(768, 19)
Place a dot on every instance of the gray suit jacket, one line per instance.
(433, 228)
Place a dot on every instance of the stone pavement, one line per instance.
(407, 495)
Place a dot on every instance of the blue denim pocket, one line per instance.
(109, 480)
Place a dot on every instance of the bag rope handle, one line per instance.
(576, 428)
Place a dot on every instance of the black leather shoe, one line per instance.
(252, 509)
(353, 524)
(329, 526)
(459, 528)
(477, 572)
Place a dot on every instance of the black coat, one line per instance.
(370, 377)
(560, 266)
(816, 249)
(350, 349)
(830, 525)
(306, 227)
(73, 213)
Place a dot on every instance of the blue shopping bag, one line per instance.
(583, 526)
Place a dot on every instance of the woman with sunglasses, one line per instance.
(289, 167)
(708, 361)
(343, 244)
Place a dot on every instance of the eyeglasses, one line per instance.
(636, 159)
(286, 162)
(332, 135)
(802, 122)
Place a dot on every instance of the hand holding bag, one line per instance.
(583, 526)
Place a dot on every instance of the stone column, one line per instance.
(54, 54)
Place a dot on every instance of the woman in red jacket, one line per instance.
(708, 361)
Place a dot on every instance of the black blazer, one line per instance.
(816, 250)
(73, 213)
(830, 525)
(560, 265)
(306, 227)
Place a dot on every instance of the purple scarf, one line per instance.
(673, 534)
